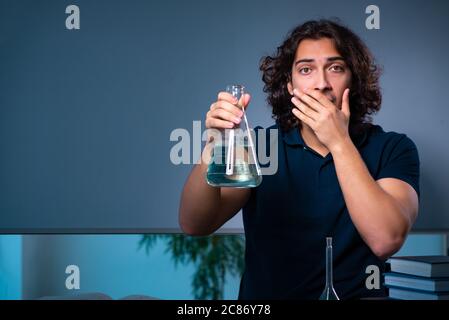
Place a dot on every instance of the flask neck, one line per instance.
(329, 272)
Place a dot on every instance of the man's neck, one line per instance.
(312, 141)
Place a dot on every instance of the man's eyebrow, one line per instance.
(335, 58)
(330, 59)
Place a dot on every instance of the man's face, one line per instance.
(318, 65)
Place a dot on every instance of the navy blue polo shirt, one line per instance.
(290, 214)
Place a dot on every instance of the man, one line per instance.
(338, 174)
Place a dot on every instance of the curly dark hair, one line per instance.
(365, 96)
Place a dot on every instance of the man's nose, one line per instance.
(322, 82)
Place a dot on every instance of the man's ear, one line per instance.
(290, 88)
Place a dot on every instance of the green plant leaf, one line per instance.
(215, 257)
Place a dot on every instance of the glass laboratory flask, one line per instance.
(233, 160)
(329, 291)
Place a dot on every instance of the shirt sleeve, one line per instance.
(401, 161)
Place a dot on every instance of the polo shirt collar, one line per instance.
(292, 137)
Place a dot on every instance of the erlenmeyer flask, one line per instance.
(329, 291)
(233, 160)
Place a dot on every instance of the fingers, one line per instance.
(225, 96)
(311, 102)
(305, 109)
(345, 104)
(320, 97)
(303, 117)
(229, 107)
(224, 115)
(218, 123)
(226, 112)
(244, 100)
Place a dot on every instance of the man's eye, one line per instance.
(338, 68)
(304, 70)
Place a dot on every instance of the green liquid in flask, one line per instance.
(244, 173)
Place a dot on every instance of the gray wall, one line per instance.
(86, 115)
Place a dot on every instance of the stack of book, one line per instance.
(418, 278)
